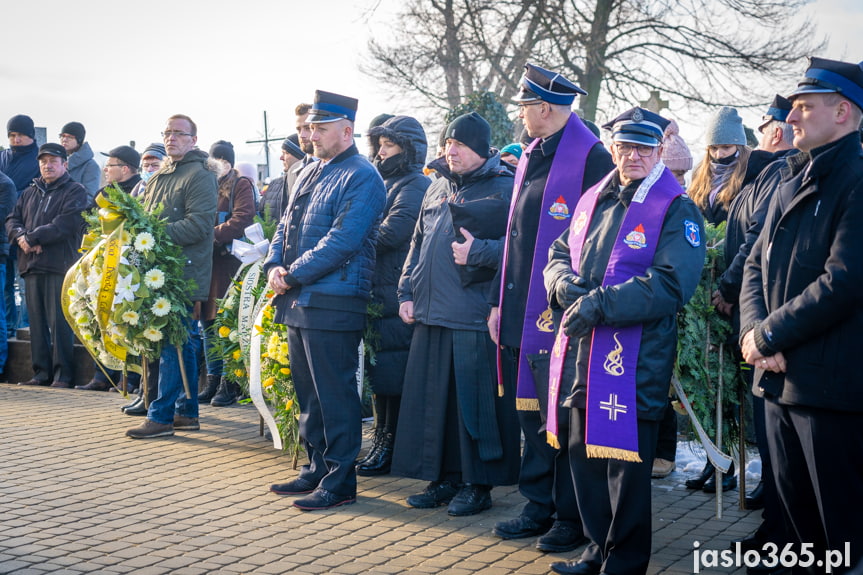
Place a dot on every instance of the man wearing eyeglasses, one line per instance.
(121, 170)
(634, 252)
(186, 189)
(563, 159)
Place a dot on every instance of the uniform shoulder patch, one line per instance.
(692, 232)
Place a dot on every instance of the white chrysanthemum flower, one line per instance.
(233, 336)
(130, 317)
(161, 307)
(152, 334)
(125, 238)
(145, 242)
(155, 278)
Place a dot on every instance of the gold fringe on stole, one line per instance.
(605, 452)
(551, 439)
(500, 390)
(526, 404)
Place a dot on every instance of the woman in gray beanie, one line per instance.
(720, 175)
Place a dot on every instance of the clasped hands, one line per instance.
(26, 247)
(581, 317)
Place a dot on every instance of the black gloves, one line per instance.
(581, 317)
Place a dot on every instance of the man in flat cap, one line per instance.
(563, 159)
(634, 253)
(46, 225)
(320, 266)
(802, 315)
(455, 430)
(121, 170)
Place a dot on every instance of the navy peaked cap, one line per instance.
(638, 126)
(541, 84)
(778, 111)
(832, 76)
(329, 107)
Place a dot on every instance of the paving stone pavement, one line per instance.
(77, 496)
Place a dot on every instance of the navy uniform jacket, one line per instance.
(801, 288)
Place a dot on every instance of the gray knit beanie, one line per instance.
(726, 128)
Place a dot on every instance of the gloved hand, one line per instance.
(581, 317)
(567, 291)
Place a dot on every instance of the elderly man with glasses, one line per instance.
(186, 189)
(634, 253)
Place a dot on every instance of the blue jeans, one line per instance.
(212, 353)
(4, 343)
(172, 395)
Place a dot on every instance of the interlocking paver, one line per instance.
(77, 496)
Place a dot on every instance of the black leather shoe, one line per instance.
(698, 482)
(139, 409)
(574, 568)
(563, 536)
(134, 403)
(752, 543)
(323, 499)
(437, 493)
(381, 460)
(755, 498)
(298, 486)
(729, 481)
(520, 527)
(470, 500)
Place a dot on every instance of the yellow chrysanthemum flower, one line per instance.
(285, 371)
(237, 354)
(269, 382)
(289, 404)
(224, 331)
(239, 372)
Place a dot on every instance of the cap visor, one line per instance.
(810, 90)
(319, 119)
(638, 139)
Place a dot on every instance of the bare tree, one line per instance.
(710, 52)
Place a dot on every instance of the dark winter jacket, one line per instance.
(187, 191)
(430, 277)
(84, 169)
(233, 217)
(8, 197)
(652, 299)
(326, 239)
(49, 215)
(21, 164)
(275, 200)
(758, 160)
(745, 220)
(406, 186)
(805, 299)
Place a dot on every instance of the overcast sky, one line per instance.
(122, 68)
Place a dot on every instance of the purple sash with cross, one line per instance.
(612, 417)
(562, 190)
